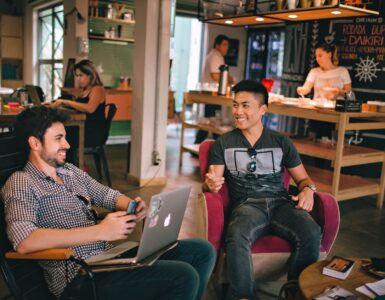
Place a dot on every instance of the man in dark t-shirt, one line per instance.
(251, 159)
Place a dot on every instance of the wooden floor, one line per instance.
(362, 224)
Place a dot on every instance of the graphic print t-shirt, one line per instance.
(274, 151)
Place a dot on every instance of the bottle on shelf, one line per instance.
(223, 79)
(109, 11)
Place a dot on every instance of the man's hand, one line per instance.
(141, 209)
(305, 199)
(212, 182)
(117, 226)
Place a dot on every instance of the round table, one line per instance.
(312, 282)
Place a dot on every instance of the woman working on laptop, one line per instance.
(91, 101)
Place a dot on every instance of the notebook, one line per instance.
(161, 230)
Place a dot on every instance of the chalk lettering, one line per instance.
(378, 29)
(366, 40)
(353, 29)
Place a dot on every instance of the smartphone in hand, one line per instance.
(131, 209)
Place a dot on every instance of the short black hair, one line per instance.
(252, 87)
(220, 38)
(35, 121)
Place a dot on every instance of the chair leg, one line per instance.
(96, 155)
(105, 165)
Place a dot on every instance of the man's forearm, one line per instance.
(44, 238)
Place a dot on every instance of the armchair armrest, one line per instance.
(326, 213)
(50, 254)
(215, 218)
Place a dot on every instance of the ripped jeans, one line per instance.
(257, 217)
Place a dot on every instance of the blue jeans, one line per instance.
(257, 217)
(181, 273)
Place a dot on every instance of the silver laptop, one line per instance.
(161, 230)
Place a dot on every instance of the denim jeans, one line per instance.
(181, 273)
(257, 217)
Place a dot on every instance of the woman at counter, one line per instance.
(328, 80)
(91, 101)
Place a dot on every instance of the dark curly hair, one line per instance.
(35, 121)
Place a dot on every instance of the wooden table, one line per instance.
(312, 282)
(8, 117)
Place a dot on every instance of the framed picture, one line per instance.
(231, 58)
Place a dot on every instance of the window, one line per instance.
(50, 50)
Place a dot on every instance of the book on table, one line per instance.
(338, 267)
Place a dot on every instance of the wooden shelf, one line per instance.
(192, 148)
(206, 127)
(102, 38)
(349, 187)
(119, 21)
(352, 155)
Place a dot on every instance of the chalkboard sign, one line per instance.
(298, 50)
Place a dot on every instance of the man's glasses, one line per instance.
(252, 166)
(91, 210)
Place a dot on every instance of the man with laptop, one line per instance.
(49, 205)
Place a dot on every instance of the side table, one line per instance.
(312, 282)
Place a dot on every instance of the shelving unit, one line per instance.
(102, 38)
(98, 25)
(11, 51)
(341, 186)
(199, 98)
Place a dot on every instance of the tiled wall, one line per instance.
(115, 60)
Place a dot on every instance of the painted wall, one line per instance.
(211, 31)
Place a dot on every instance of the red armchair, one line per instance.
(270, 253)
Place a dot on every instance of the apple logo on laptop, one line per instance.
(167, 220)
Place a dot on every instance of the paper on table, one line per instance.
(373, 289)
(363, 290)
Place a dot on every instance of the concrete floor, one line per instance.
(361, 222)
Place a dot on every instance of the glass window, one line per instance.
(50, 50)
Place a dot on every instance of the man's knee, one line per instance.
(185, 277)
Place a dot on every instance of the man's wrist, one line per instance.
(311, 187)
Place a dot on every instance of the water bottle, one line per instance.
(223, 78)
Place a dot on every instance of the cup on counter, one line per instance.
(317, 3)
(292, 4)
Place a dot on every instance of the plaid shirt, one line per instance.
(34, 200)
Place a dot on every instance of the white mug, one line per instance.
(318, 2)
(292, 4)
